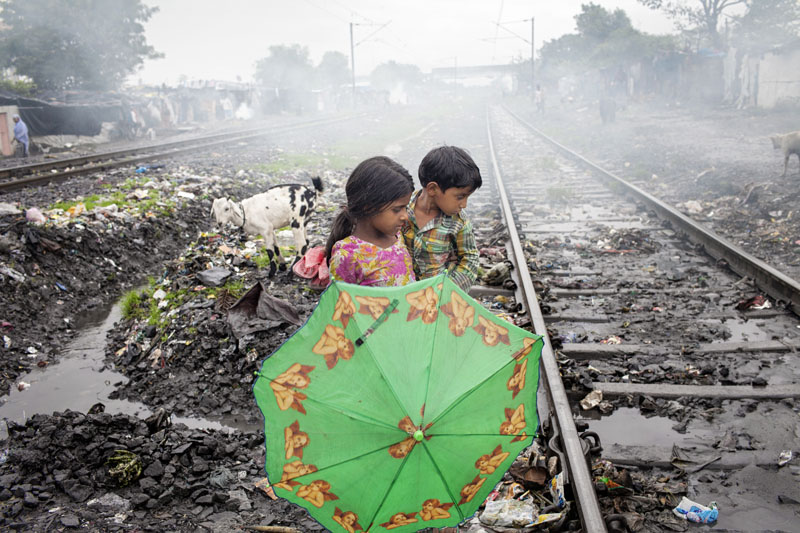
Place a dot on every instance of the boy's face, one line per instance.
(451, 201)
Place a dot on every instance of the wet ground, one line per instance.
(199, 473)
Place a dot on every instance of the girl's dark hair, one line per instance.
(375, 183)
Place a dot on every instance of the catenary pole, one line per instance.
(533, 72)
(353, 64)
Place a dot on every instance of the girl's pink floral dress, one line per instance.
(363, 263)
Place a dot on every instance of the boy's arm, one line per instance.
(466, 269)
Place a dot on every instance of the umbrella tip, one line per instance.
(419, 435)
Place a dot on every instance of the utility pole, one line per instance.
(353, 64)
(533, 55)
(353, 51)
(455, 76)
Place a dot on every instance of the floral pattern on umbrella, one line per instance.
(424, 401)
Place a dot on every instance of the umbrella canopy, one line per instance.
(397, 408)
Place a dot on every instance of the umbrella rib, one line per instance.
(444, 481)
(324, 468)
(385, 378)
(354, 415)
(388, 490)
(433, 344)
(470, 391)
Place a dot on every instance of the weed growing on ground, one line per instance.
(130, 304)
(559, 194)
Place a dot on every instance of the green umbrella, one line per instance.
(397, 408)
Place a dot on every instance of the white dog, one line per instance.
(282, 205)
(789, 144)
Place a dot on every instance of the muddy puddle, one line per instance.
(80, 380)
(650, 431)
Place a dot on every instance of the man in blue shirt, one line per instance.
(21, 133)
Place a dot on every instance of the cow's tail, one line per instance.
(317, 181)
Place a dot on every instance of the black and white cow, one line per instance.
(282, 205)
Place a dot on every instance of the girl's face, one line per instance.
(392, 218)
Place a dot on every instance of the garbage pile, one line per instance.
(193, 338)
(531, 497)
(61, 260)
(192, 330)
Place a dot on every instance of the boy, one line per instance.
(437, 235)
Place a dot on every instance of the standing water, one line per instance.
(79, 380)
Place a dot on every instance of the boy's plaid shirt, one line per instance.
(446, 243)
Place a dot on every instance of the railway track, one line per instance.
(639, 303)
(13, 178)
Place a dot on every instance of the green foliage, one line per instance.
(22, 88)
(596, 23)
(87, 44)
(703, 15)
(289, 162)
(154, 202)
(767, 24)
(604, 39)
(124, 466)
(262, 259)
(559, 194)
(286, 67)
(333, 70)
(131, 305)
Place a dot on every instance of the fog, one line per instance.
(203, 39)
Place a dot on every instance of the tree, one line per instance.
(597, 23)
(286, 67)
(604, 39)
(390, 75)
(87, 44)
(333, 70)
(767, 24)
(702, 14)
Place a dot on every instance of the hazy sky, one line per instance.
(209, 39)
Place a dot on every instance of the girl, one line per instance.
(365, 246)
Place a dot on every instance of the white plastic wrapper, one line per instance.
(509, 513)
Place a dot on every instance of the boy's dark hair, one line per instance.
(375, 183)
(449, 166)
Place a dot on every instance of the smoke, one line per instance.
(398, 95)
(244, 112)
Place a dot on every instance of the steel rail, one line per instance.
(107, 159)
(769, 279)
(580, 478)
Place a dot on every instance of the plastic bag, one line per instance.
(694, 512)
(557, 490)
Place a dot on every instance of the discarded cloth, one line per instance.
(313, 266)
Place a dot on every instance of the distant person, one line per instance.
(538, 99)
(365, 246)
(438, 235)
(608, 109)
(21, 136)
